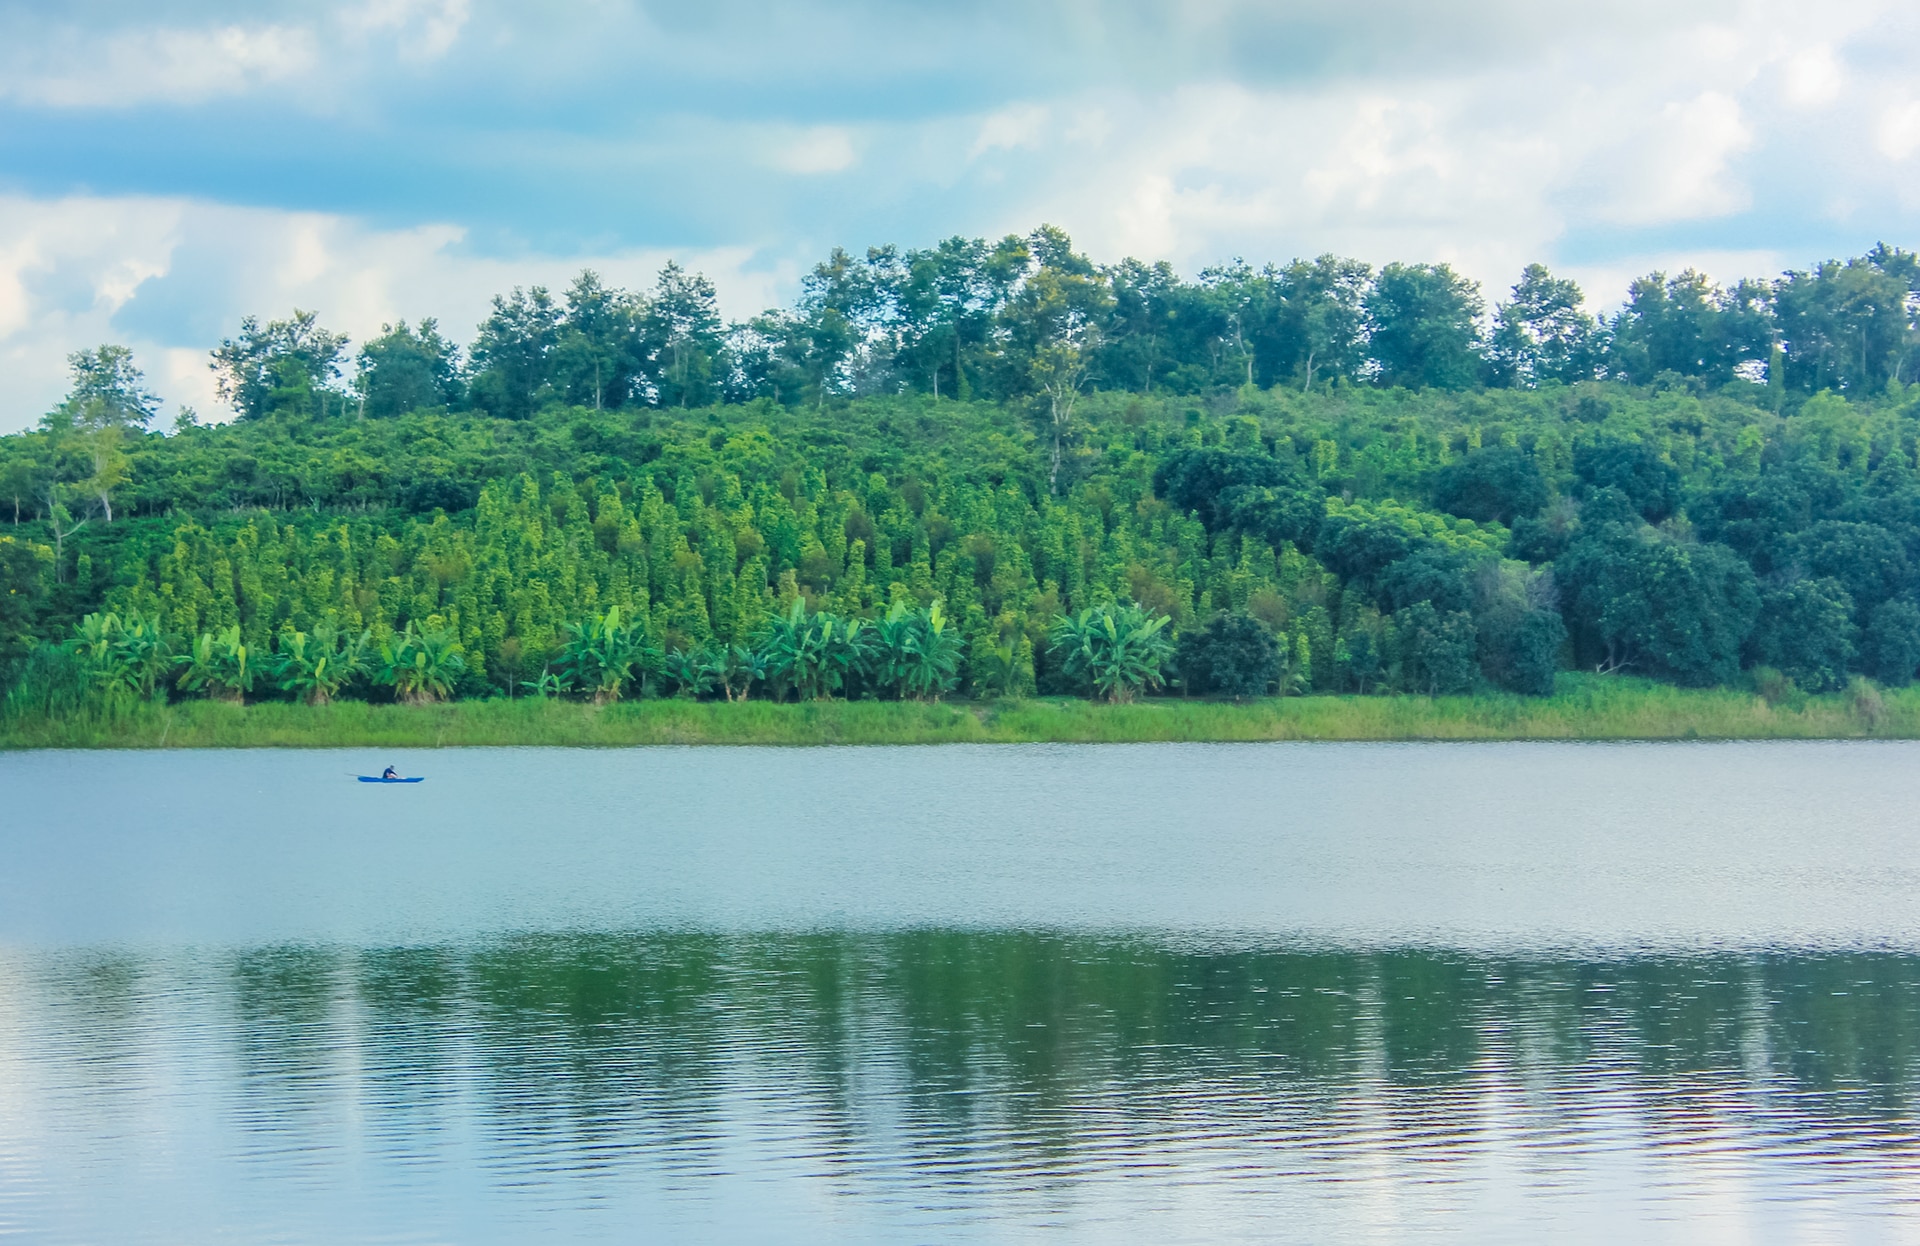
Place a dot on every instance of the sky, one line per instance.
(169, 166)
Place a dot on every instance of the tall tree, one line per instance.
(1054, 325)
(1320, 331)
(1137, 346)
(107, 391)
(1850, 327)
(88, 431)
(284, 367)
(599, 356)
(684, 330)
(1689, 326)
(1542, 334)
(1423, 324)
(512, 355)
(407, 369)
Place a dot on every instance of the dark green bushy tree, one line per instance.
(1806, 631)
(1636, 600)
(1233, 656)
(1432, 573)
(1756, 515)
(1436, 649)
(1891, 646)
(1198, 481)
(1636, 469)
(1866, 559)
(1277, 514)
(1495, 485)
(1357, 548)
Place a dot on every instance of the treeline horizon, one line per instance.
(1031, 318)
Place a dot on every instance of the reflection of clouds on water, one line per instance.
(954, 1085)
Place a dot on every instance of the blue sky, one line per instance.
(166, 168)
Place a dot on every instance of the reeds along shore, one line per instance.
(1582, 708)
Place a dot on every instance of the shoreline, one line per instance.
(1584, 707)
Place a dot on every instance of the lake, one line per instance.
(1196, 993)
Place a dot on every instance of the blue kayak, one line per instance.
(372, 778)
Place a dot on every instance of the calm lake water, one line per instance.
(1307, 993)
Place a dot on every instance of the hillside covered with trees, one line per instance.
(996, 470)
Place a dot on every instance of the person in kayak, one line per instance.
(389, 773)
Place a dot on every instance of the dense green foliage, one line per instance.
(1041, 477)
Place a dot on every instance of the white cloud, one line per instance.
(426, 29)
(1898, 134)
(1022, 125)
(170, 277)
(1678, 165)
(162, 64)
(89, 66)
(1814, 77)
(821, 149)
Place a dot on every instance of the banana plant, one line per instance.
(123, 658)
(690, 673)
(1119, 649)
(315, 665)
(792, 651)
(421, 666)
(814, 655)
(893, 643)
(735, 669)
(548, 684)
(915, 652)
(847, 651)
(601, 654)
(933, 654)
(220, 665)
(146, 654)
(96, 642)
(1000, 660)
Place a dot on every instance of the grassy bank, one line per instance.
(1583, 708)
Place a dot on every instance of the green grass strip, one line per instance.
(1583, 708)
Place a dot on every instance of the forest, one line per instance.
(995, 470)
